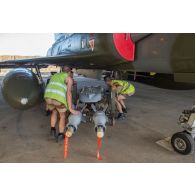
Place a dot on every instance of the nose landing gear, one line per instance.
(184, 142)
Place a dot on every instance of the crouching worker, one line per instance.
(58, 97)
(122, 89)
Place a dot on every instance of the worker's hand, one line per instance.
(75, 112)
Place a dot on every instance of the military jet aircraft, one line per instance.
(137, 52)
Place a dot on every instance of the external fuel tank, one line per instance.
(21, 89)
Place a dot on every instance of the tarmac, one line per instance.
(152, 116)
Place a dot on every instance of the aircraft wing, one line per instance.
(75, 60)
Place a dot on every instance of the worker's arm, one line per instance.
(115, 87)
(69, 83)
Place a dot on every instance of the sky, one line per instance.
(25, 44)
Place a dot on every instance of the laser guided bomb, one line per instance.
(73, 122)
(21, 89)
(93, 103)
(100, 120)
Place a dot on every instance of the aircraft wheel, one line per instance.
(182, 143)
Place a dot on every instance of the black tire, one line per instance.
(182, 143)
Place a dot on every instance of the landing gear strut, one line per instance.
(184, 142)
(38, 73)
(112, 107)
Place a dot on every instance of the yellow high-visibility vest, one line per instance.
(56, 88)
(126, 87)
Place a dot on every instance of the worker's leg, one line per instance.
(62, 122)
(122, 103)
(50, 109)
(53, 122)
(118, 105)
(54, 116)
(120, 110)
(121, 99)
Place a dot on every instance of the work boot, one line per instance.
(124, 110)
(121, 116)
(60, 137)
(53, 132)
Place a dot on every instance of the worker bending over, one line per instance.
(58, 97)
(47, 111)
(122, 89)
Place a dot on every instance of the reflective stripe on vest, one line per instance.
(55, 91)
(58, 84)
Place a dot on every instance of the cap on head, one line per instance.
(67, 69)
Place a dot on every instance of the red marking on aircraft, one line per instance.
(124, 45)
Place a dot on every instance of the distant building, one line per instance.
(8, 57)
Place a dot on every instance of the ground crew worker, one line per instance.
(122, 89)
(58, 97)
(47, 111)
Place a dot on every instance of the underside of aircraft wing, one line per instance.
(76, 61)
